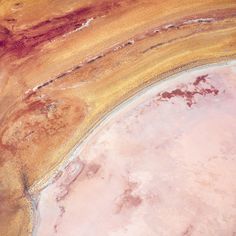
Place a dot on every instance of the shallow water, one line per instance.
(164, 164)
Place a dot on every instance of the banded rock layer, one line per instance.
(65, 64)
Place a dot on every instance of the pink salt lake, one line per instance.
(164, 164)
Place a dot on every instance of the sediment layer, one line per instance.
(64, 65)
